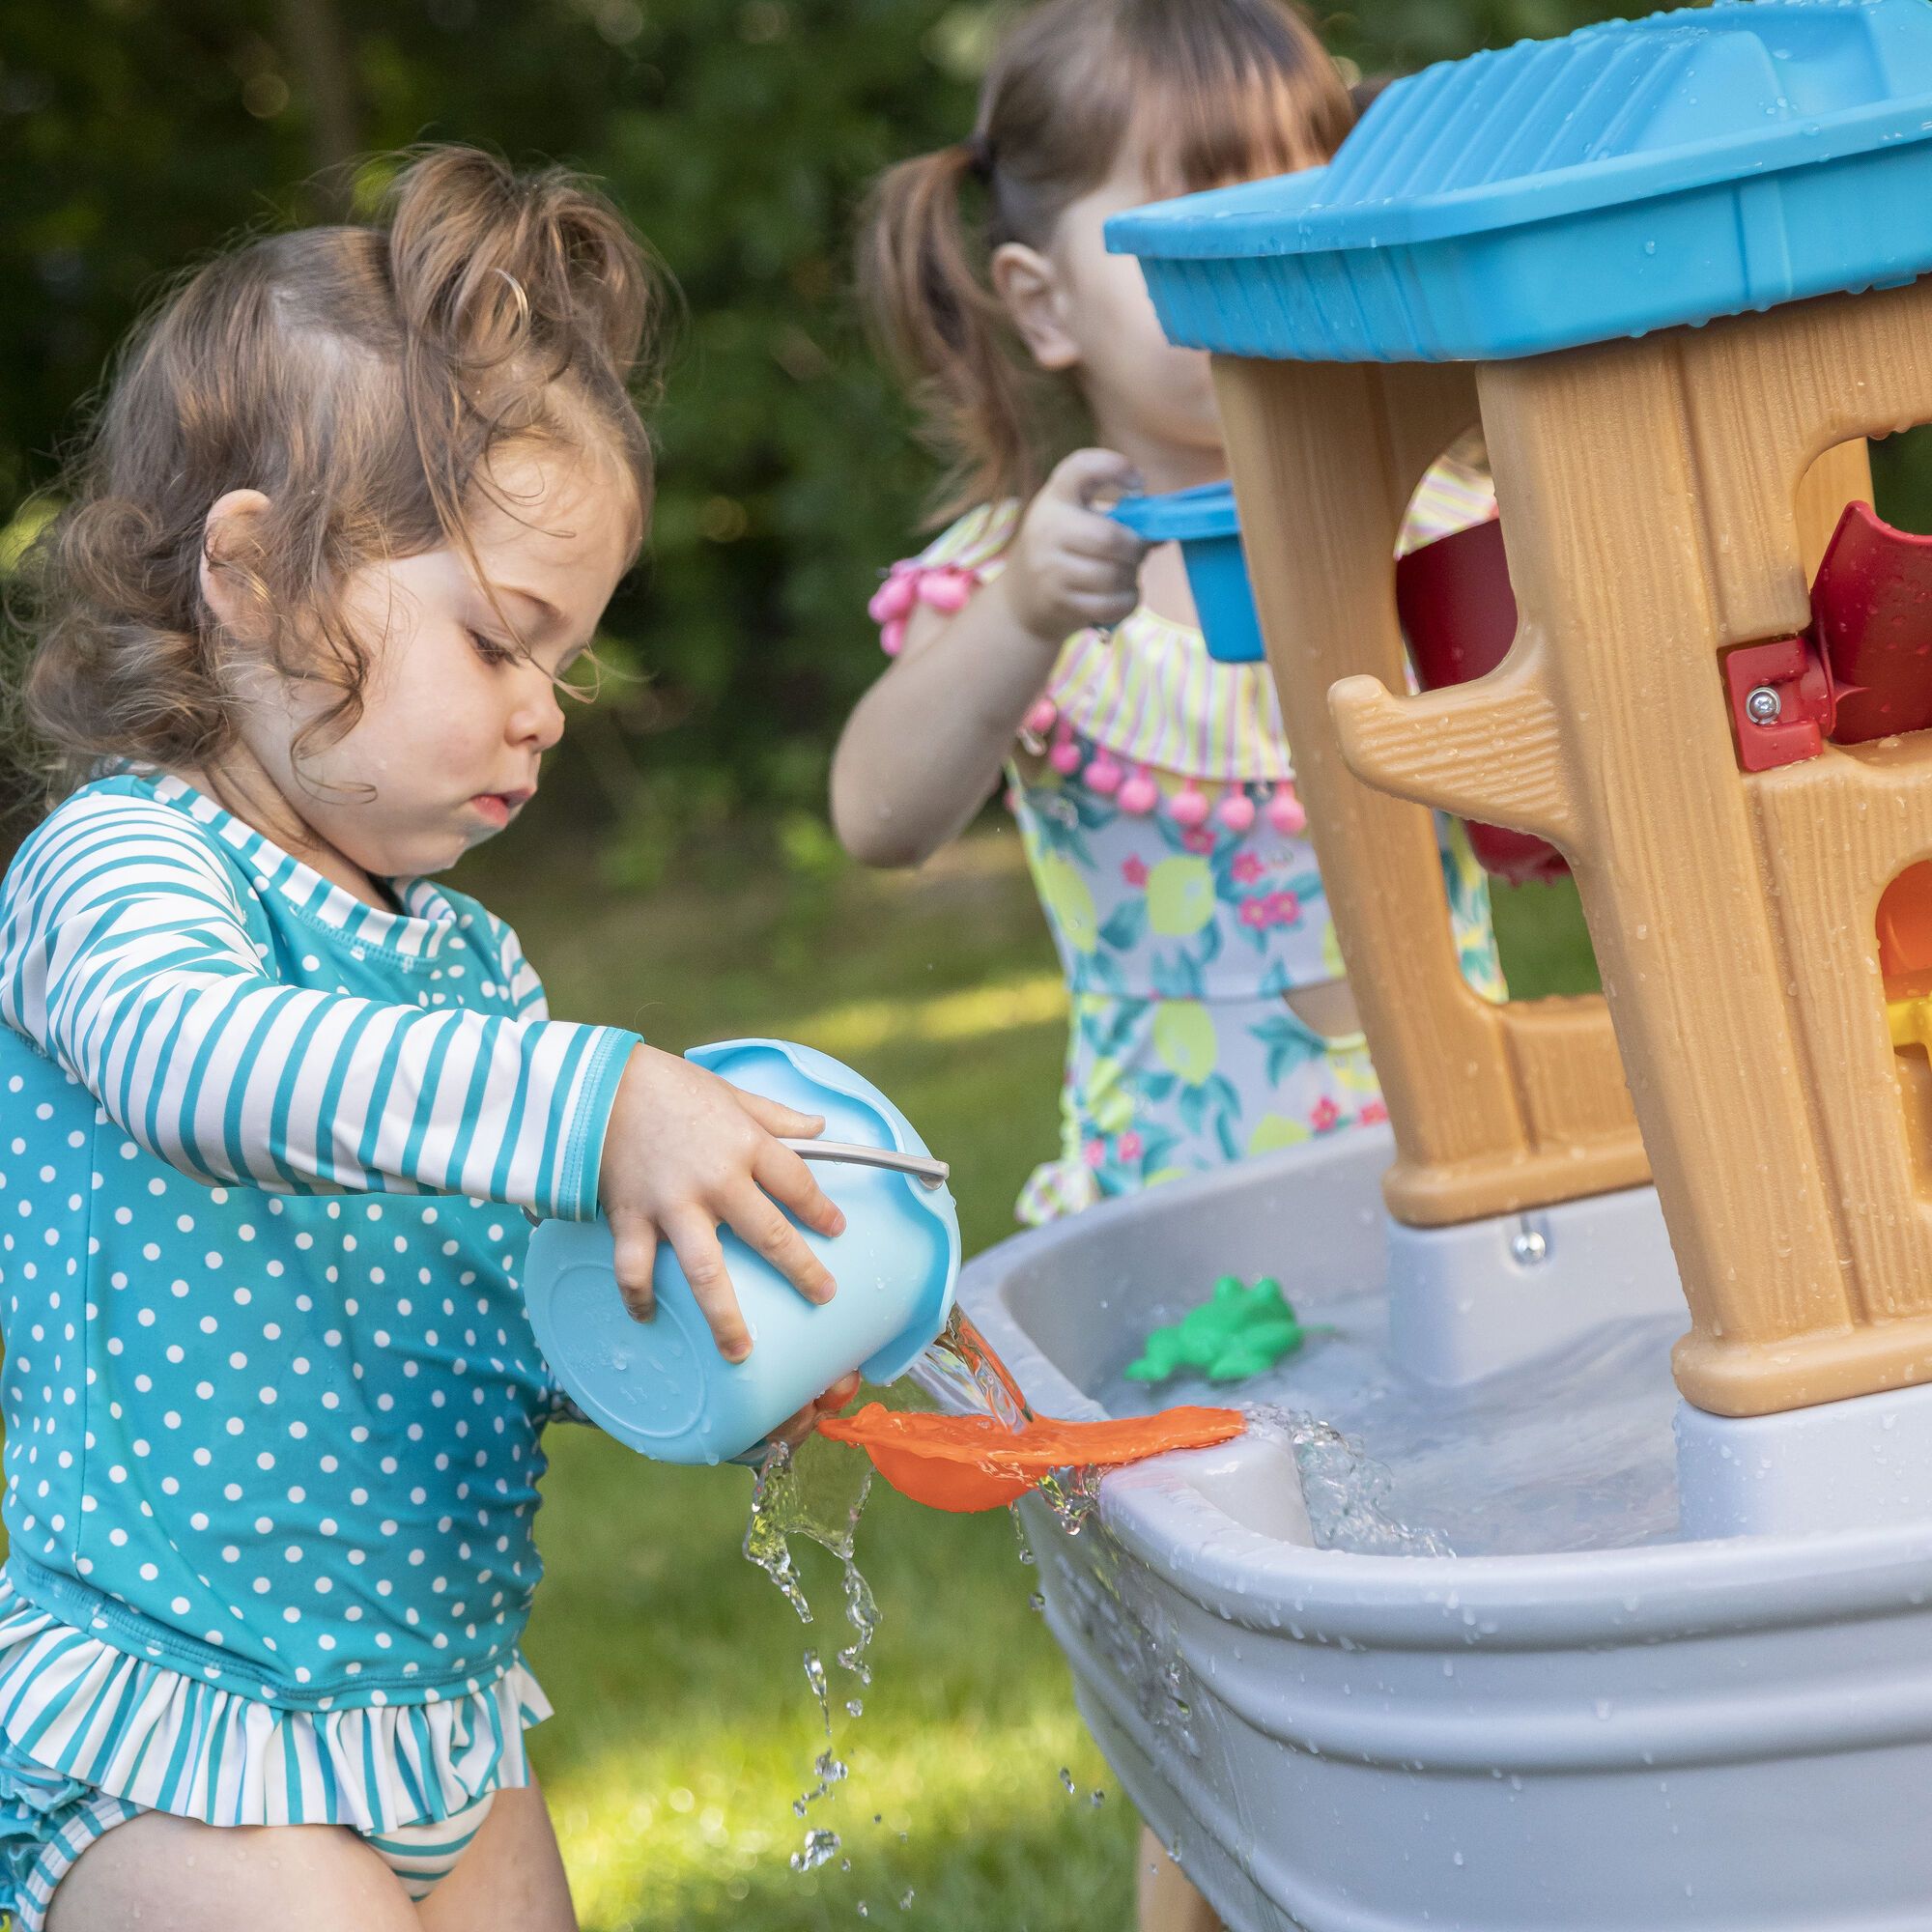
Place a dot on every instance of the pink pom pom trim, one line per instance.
(1190, 807)
(1139, 795)
(1040, 719)
(943, 587)
(1285, 814)
(1237, 812)
(1105, 774)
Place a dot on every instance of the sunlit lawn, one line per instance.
(685, 1727)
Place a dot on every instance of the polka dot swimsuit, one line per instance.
(273, 1410)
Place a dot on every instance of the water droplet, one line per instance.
(817, 1850)
(1066, 1779)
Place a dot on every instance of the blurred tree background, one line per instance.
(739, 135)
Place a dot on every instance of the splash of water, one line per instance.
(1345, 1490)
(818, 1491)
(959, 1372)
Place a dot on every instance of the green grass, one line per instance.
(684, 1725)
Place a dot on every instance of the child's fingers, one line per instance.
(782, 1122)
(1098, 577)
(839, 1394)
(1090, 473)
(795, 1428)
(788, 1179)
(1104, 540)
(635, 1240)
(695, 1236)
(758, 1220)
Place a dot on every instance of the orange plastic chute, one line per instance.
(966, 1462)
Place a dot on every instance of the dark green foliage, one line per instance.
(140, 134)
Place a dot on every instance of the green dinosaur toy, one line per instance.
(1236, 1333)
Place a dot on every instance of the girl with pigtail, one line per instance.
(272, 1102)
(1153, 787)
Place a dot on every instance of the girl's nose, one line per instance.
(538, 719)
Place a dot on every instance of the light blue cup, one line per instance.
(660, 1385)
(1205, 523)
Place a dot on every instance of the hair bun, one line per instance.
(491, 267)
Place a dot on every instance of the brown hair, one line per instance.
(361, 377)
(1230, 90)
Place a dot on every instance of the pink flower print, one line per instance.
(1255, 914)
(1247, 868)
(1323, 1115)
(1134, 870)
(1129, 1146)
(1093, 1154)
(1373, 1112)
(1200, 839)
(1283, 908)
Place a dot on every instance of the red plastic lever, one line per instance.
(1458, 614)
(1871, 615)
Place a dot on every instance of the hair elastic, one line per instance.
(979, 153)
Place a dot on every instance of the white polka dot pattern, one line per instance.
(286, 1443)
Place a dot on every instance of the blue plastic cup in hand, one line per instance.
(1206, 525)
(660, 1385)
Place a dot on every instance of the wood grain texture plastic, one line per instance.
(1733, 912)
(1494, 1109)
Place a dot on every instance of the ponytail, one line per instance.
(1227, 89)
(944, 329)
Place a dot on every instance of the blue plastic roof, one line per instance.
(1635, 175)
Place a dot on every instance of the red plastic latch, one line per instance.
(1781, 702)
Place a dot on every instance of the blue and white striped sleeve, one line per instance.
(125, 956)
(520, 976)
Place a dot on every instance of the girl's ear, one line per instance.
(227, 537)
(1030, 287)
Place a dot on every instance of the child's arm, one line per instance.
(925, 747)
(125, 956)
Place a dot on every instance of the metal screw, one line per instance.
(1764, 706)
(1529, 1247)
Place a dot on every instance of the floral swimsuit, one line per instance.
(1172, 857)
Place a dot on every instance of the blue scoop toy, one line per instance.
(660, 1385)
(1205, 523)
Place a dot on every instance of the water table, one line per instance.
(1678, 1669)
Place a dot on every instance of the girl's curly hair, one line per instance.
(360, 377)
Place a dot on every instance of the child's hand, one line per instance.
(1070, 565)
(686, 1151)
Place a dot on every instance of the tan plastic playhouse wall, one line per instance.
(1494, 1109)
(1650, 496)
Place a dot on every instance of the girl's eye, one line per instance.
(490, 650)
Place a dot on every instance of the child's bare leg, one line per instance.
(161, 1874)
(511, 1877)
(1167, 1901)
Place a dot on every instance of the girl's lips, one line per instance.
(499, 806)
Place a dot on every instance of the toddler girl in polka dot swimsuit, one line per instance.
(273, 1104)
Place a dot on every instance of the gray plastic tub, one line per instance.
(1596, 1723)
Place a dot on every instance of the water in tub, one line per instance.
(1570, 1452)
